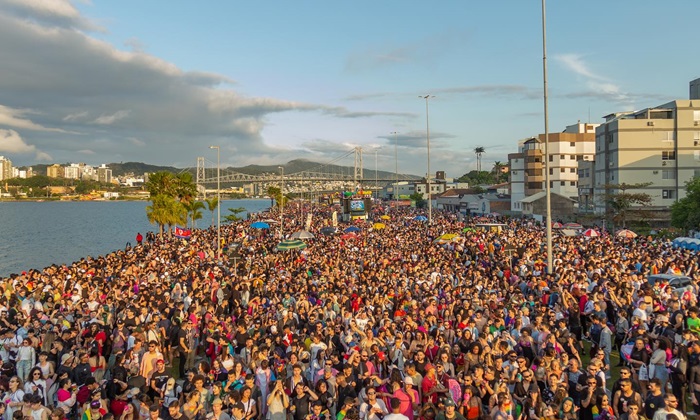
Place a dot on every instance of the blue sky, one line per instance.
(159, 81)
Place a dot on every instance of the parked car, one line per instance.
(678, 283)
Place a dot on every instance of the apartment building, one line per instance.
(527, 167)
(104, 174)
(55, 171)
(5, 168)
(659, 145)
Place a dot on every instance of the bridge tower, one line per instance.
(201, 176)
(359, 172)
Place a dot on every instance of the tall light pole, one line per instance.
(548, 192)
(281, 203)
(427, 132)
(396, 158)
(218, 199)
(376, 169)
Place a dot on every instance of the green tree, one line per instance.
(194, 210)
(170, 196)
(624, 204)
(212, 204)
(418, 198)
(234, 216)
(166, 211)
(685, 213)
(162, 183)
(276, 194)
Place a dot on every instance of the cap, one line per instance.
(429, 366)
(160, 361)
(217, 401)
(95, 404)
(408, 380)
(449, 403)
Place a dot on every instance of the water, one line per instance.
(38, 234)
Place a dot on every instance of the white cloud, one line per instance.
(53, 12)
(596, 85)
(112, 118)
(12, 143)
(15, 118)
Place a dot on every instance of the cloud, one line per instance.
(418, 139)
(12, 143)
(111, 119)
(484, 91)
(52, 12)
(421, 51)
(599, 86)
(86, 152)
(15, 118)
(119, 99)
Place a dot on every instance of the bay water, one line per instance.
(38, 234)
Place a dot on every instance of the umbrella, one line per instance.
(289, 244)
(495, 214)
(449, 236)
(379, 226)
(302, 234)
(625, 233)
(420, 218)
(260, 225)
(385, 217)
(573, 226)
(465, 230)
(348, 236)
(352, 229)
(328, 230)
(591, 233)
(557, 225)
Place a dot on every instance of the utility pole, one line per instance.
(396, 158)
(427, 131)
(218, 198)
(548, 191)
(281, 204)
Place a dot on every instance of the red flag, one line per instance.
(182, 232)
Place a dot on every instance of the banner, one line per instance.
(308, 222)
(335, 219)
(182, 232)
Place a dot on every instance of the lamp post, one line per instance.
(427, 131)
(376, 169)
(396, 157)
(281, 203)
(218, 199)
(548, 192)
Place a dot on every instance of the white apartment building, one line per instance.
(576, 143)
(5, 168)
(72, 171)
(659, 145)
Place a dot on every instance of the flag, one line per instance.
(182, 232)
(308, 221)
(335, 219)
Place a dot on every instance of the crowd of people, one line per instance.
(387, 323)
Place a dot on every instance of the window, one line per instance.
(668, 155)
(562, 170)
(579, 157)
(572, 170)
(696, 115)
(668, 174)
(514, 172)
(562, 157)
(572, 144)
(572, 183)
(572, 157)
(551, 184)
(562, 183)
(696, 138)
(668, 136)
(609, 138)
(551, 158)
(668, 194)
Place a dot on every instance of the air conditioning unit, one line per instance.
(656, 172)
(663, 163)
(697, 123)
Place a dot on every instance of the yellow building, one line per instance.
(55, 171)
(659, 145)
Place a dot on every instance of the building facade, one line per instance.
(527, 167)
(6, 171)
(659, 146)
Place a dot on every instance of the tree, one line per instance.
(234, 216)
(418, 198)
(622, 205)
(194, 210)
(166, 211)
(212, 204)
(479, 151)
(276, 194)
(685, 213)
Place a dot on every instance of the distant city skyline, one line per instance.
(269, 83)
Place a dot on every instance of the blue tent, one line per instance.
(260, 225)
(420, 218)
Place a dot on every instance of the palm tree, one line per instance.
(185, 187)
(166, 211)
(212, 204)
(162, 182)
(193, 210)
(479, 151)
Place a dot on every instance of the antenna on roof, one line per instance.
(589, 114)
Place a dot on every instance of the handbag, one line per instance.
(643, 373)
(651, 370)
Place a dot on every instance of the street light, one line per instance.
(281, 203)
(427, 131)
(376, 169)
(548, 192)
(218, 199)
(396, 157)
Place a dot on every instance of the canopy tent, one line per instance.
(302, 234)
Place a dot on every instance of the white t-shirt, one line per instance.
(397, 416)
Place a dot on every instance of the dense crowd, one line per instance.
(389, 323)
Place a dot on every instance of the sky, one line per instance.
(270, 81)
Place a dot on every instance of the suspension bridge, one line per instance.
(342, 172)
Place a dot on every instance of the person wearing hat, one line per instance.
(159, 378)
(217, 412)
(450, 412)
